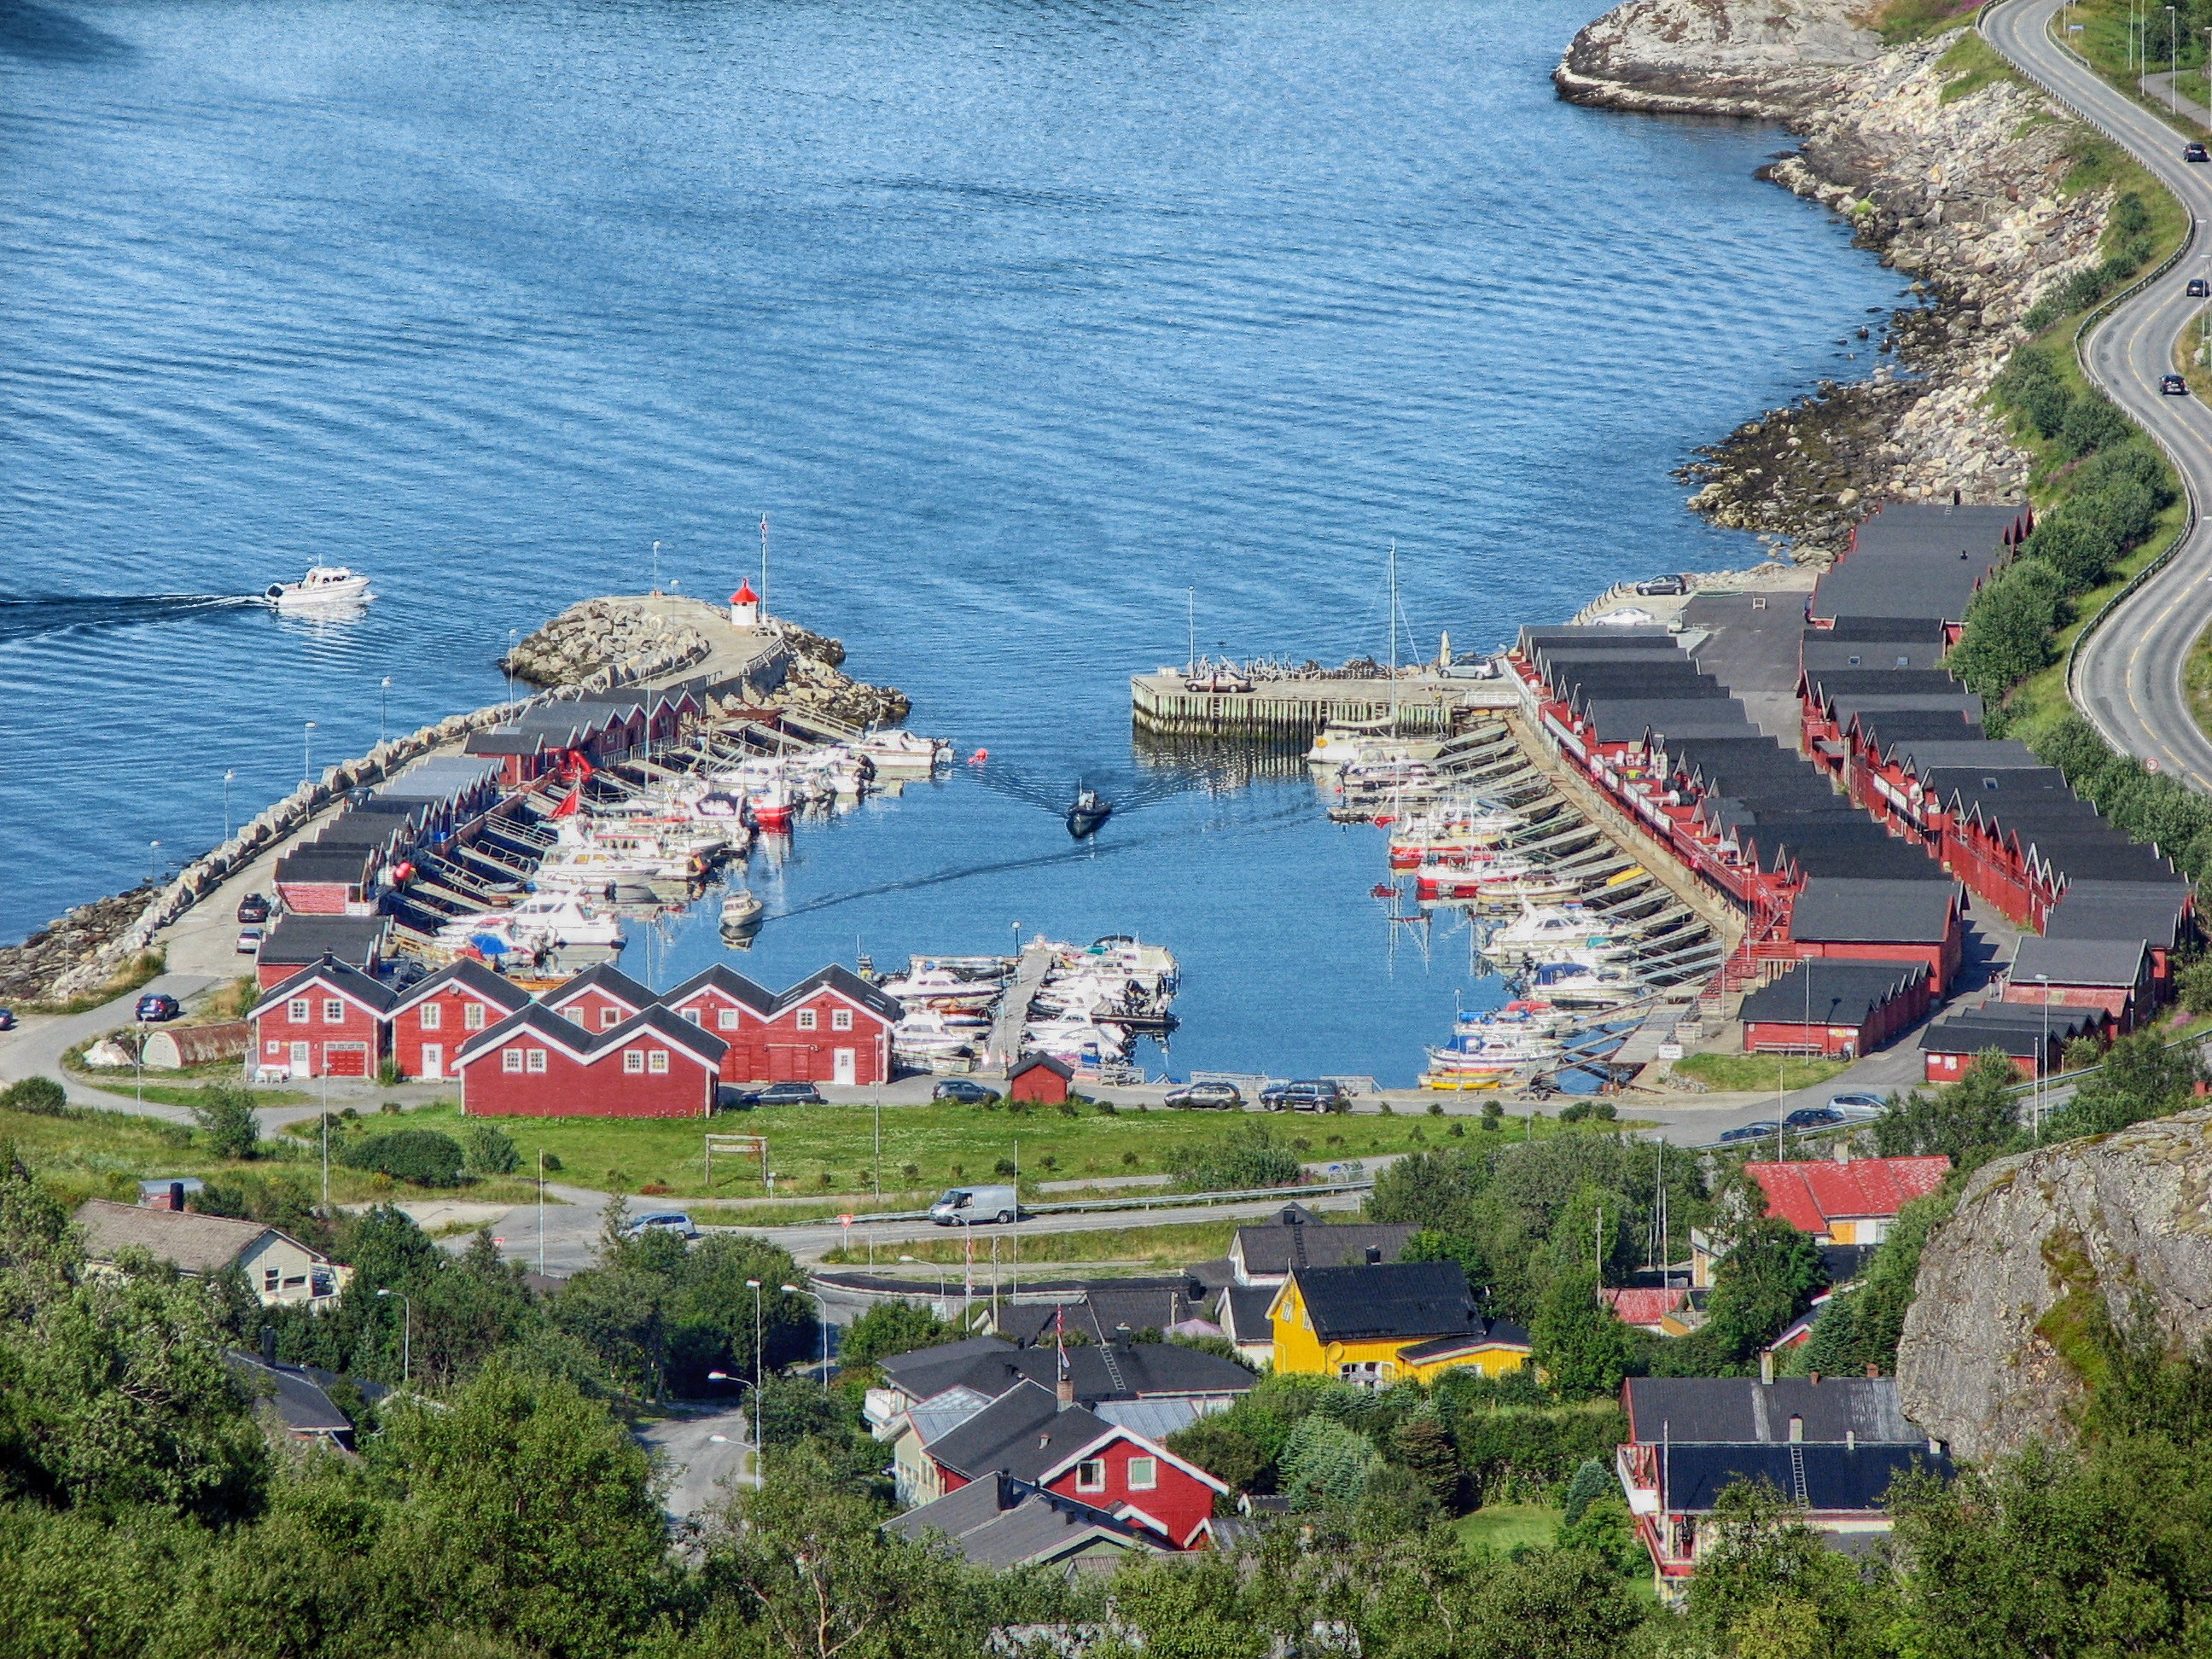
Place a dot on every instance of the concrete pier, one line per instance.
(1164, 702)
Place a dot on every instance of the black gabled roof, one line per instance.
(505, 742)
(1393, 1299)
(559, 1029)
(1885, 681)
(1488, 1333)
(1860, 912)
(1588, 634)
(469, 974)
(602, 976)
(533, 1017)
(1922, 755)
(1743, 1410)
(1876, 630)
(298, 940)
(1847, 1478)
(315, 862)
(1824, 651)
(1841, 993)
(1908, 529)
(2014, 1028)
(2112, 963)
(2150, 911)
(1107, 1370)
(1001, 1522)
(1040, 1062)
(724, 978)
(846, 983)
(1839, 850)
(1023, 1432)
(373, 994)
(1627, 719)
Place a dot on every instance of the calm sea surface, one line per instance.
(1016, 321)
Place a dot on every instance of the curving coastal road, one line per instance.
(2127, 676)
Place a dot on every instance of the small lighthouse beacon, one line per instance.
(744, 607)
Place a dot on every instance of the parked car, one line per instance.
(782, 1094)
(1749, 1132)
(966, 1090)
(7, 1019)
(967, 1207)
(254, 908)
(2194, 151)
(1219, 1096)
(662, 1221)
(2173, 386)
(249, 941)
(2199, 288)
(1814, 1117)
(1307, 1094)
(1859, 1108)
(157, 1006)
(1670, 586)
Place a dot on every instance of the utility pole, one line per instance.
(541, 1212)
(763, 603)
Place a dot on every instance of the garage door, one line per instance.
(345, 1058)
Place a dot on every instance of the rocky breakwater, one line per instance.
(815, 680)
(2042, 1249)
(601, 643)
(1949, 168)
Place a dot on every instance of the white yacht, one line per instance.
(324, 584)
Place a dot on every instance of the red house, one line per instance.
(831, 1027)
(536, 1064)
(601, 998)
(735, 1009)
(1849, 1200)
(1841, 1009)
(1041, 1079)
(329, 1020)
(1840, 919)
(1055, 1444)
(433, 1017)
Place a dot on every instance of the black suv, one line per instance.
(2194, 151)
(2173, 386)
(963, 1090)
(1309, 1095)
(156, 1005)
(254, 908)
(1667, 586)
(782, 1094)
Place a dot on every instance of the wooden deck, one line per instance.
(1162, 702)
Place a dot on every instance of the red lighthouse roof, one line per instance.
(745, 595)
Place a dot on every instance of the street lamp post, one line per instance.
(383, 708)
(754, 1284)
(823, 1307)
(656, 567)
(2043, 1056)
(2172, 63)
(229, 777)
(307, 753)
(406, 1334)
(152, 847)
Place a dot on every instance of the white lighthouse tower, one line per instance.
(744, 607)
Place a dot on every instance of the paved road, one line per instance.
(708, 1453)
(2128, 675)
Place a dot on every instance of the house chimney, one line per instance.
(1064, 1390)
(1813, 1377)
(176, 1195)
(1843, 1151)
(1874, 1368)
(1374, 1255)
(1766, 1367)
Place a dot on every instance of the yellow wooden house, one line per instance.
(1389, 1322)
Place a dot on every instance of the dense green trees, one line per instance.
(1970, 1121)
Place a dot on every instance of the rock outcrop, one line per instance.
(1952, 170)
(620, 639)
(2038, 1245)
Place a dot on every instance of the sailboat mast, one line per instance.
(1394, 637)
(1190, 598)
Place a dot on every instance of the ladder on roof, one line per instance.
(1797, 1473)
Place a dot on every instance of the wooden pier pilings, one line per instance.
(1164, 703)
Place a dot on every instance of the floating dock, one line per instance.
(1172, 703)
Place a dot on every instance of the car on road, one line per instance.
(968, 1206)
(662, 1221)
(2194, 150)
(1663, 586)
(2199, 288)
(158, 1006)
(965, 1090)
(7, 1019)
(254, 908)
(249, 941)
(2173, 386)
(1749, 1132)
(1859, 1106)
(1224, 1097)
(1306, 1095)
(782, 1094)
(1816, 1117)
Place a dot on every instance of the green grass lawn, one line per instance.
(1751, 1073)
(1501, 1526)
(124, 1085)
(831, 1149)
(1173, 1244)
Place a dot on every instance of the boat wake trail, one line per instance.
(32, 616)
(1267, 823)
(1127, 791)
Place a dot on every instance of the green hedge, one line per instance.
(424, 1157)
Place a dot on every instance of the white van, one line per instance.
(966, 1205)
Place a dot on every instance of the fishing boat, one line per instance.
(324, 584)
(1446, 833)
(742, 911)
(904, 754)
(771, 804)
(1090, 811)
(1594, 986)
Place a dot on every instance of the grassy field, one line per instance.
(831, 1149)
(1501, 1526)
(105, 1155)
(124, 1085)
(1750, 1073)
(1171, 1244)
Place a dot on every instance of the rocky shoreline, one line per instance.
(1953, 176)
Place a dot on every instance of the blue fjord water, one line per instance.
(1016, 320)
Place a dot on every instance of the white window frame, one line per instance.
(609, 1017)
(727, 1019)
(536, 1063)
(840, 1019)
(1144, 1473)
(298, 1011)
(656, 1062)
(633, 1061)
(1091, 1474)
(333, 1010)
(431, 1017)
(510, 1060)
(692, 1014)
(806, 1021)
(472, 1017)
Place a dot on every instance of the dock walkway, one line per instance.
(1005, 1046)
(1298, 707)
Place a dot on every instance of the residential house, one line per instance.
(1839, 1201)
(831, 1027)
(1832, 1445)
(433, 1017)
(1841, 1009)
(1385, 1323)
(1296, 1237)
(600, 999)
(536, 1063)
(736, 1009)
(2112, 976)
(1001, 1522)
(1242, 1313)
(296, 1399)
(328, 1020)
(293, 943)
(1040, 1435)
(2032, 1036)
(280, 1269)
(1650, 1308)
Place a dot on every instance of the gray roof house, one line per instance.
(279, 1267)
(1002, 1522)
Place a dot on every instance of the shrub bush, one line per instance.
(41, 1095)
(425, 1157)
(486, 1150)
(1249, 1158)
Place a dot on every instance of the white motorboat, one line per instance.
(1589, 985)
(742, 911)
(1556, 933)
(937, 987)
(904, 754)
(324, 584)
